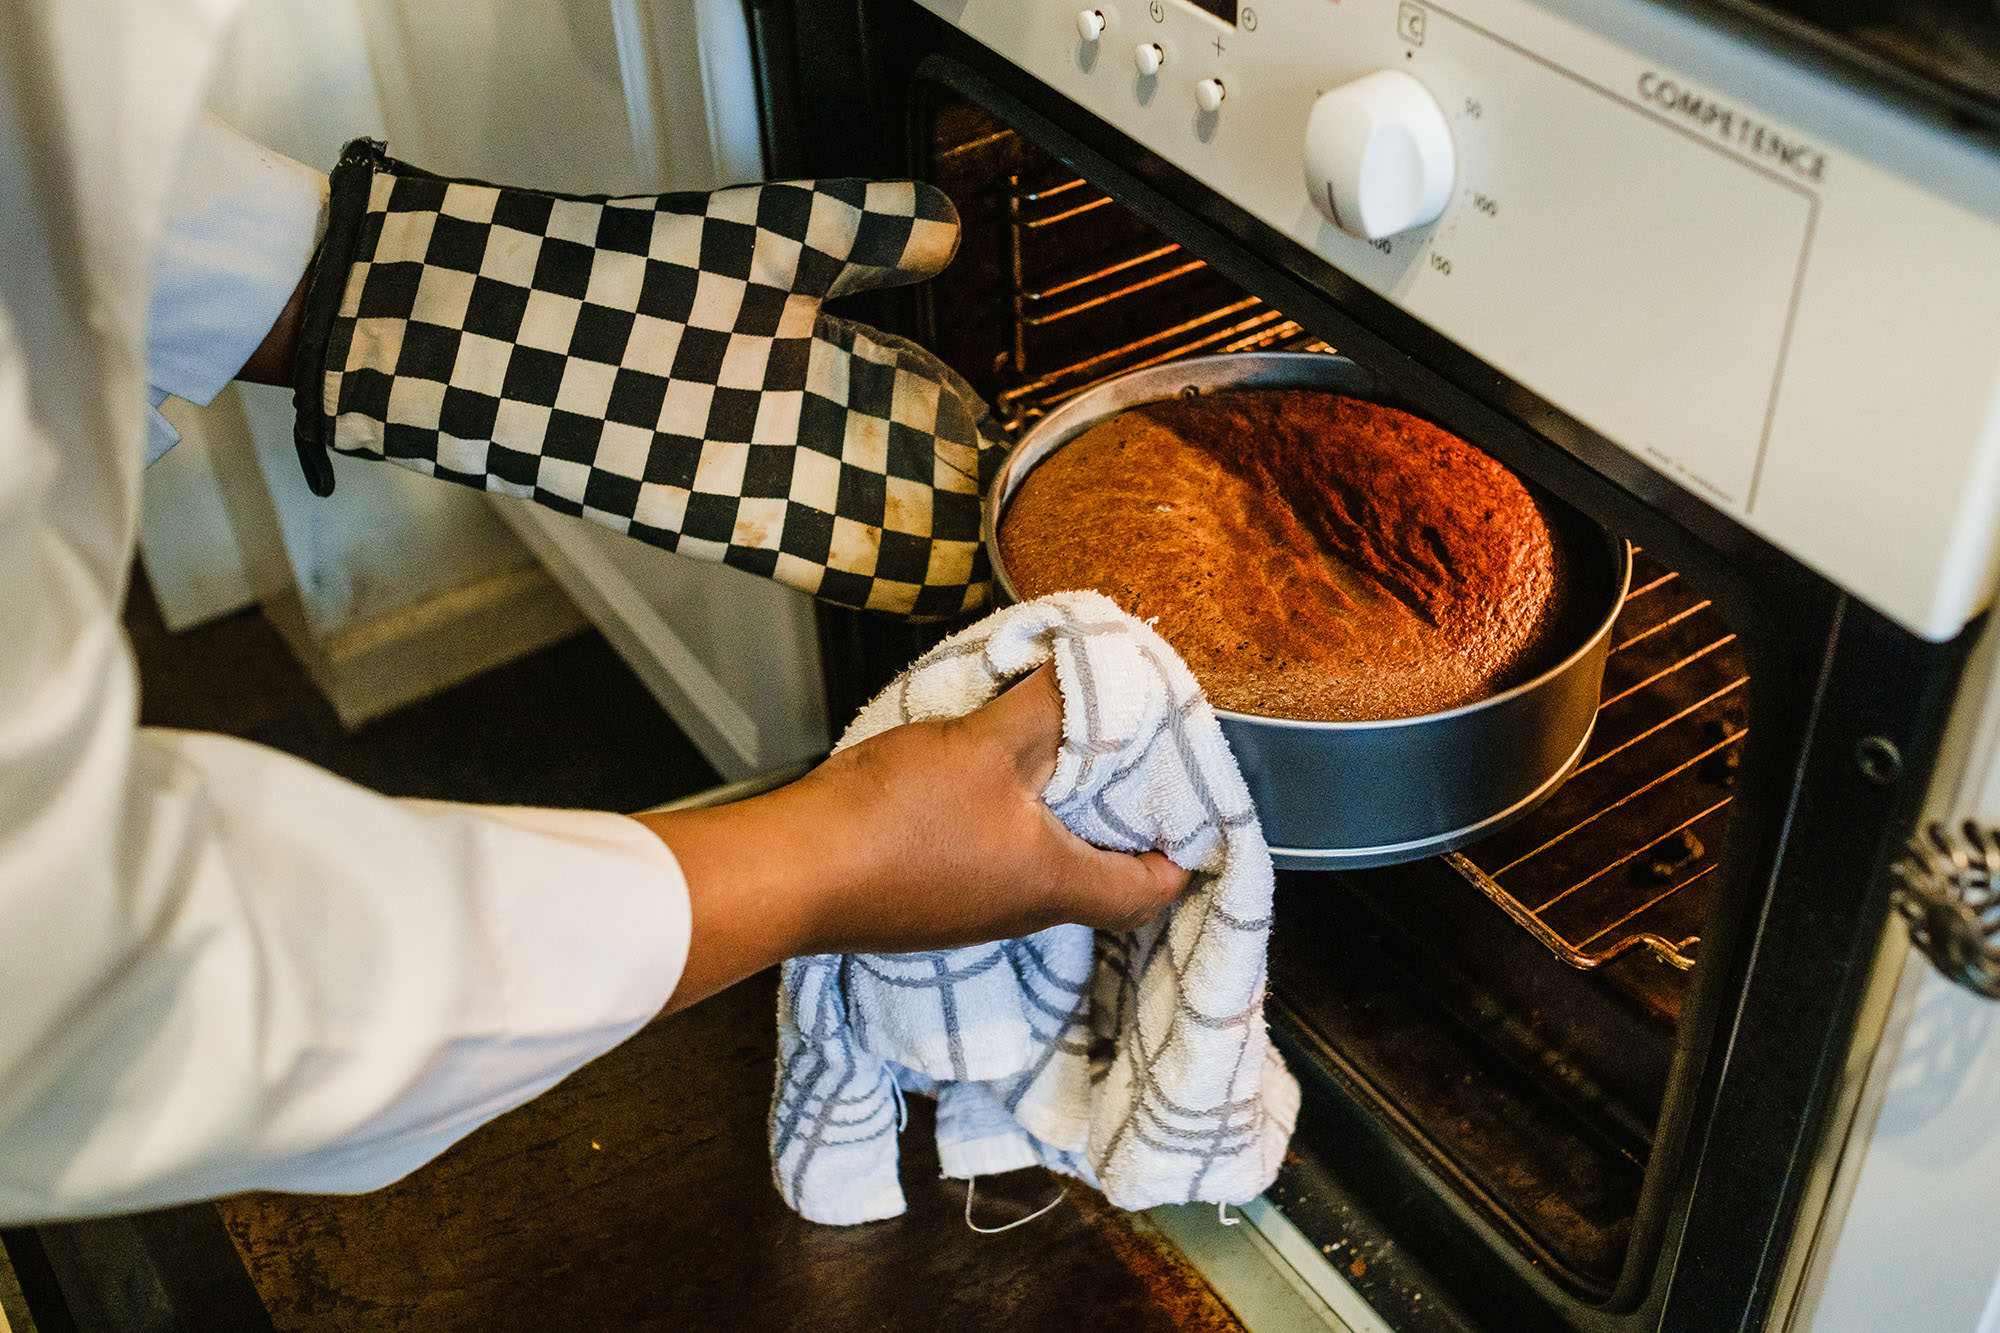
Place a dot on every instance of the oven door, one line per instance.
(1512, 1122)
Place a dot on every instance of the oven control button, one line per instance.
(1090, 24)
(1209, 95)
(1379, 156)
(1148, 57)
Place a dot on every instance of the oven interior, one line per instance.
(1511, 1010)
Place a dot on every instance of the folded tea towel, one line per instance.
(1138, 1062)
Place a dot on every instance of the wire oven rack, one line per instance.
(1148, 272)
(1621, 857)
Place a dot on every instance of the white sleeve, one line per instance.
(241, 225)
(221, 968)
(261, 976)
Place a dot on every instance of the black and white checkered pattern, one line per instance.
(661, 365)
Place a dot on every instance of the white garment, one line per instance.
(1138, 1062)
(242, 222)
(222, 968)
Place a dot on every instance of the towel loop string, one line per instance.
(1044, 1210)
(902, 1107)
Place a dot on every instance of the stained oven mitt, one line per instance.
(661, 365)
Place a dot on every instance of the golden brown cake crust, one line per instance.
(1309, 555)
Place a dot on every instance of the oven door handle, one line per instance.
(1948, 891)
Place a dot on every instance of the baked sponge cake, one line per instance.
(1309, 555)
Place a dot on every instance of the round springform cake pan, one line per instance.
(1339, 795)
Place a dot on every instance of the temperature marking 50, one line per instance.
(1473, 108)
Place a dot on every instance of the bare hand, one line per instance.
(926, 836)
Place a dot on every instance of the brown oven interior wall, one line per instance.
(1511, 1008)
(1055, 287)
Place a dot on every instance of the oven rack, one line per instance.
(1049, 217)
(1620, 858)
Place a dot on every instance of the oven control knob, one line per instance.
(1209, 95)
(1379, 157)
(1148, 57)
(1090, 24)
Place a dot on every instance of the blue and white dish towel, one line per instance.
(1137, 1062)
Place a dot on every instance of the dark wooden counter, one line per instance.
(637, 1195)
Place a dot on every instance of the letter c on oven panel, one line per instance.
(1379, 155)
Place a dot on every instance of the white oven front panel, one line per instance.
(1780, 294)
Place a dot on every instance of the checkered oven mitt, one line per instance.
(659, 364)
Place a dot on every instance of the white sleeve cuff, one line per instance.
(242, 224)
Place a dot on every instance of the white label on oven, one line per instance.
(1780, 294)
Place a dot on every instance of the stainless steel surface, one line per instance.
(1354, 794)
(1271, 1276)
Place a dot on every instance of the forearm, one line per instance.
(931, 835)
(813, 867)
(753, 870)
(272, 362)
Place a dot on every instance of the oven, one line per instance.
(1720, 276)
